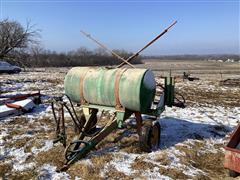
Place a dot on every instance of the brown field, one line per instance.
(192, 139)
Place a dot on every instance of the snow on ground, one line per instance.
(189, 136)
(49, 172)
(47, 145)
(19, 159)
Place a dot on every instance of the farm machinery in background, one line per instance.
(17, 104)
(124, 91)
(187, 76)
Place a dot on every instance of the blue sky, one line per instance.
(204, 27)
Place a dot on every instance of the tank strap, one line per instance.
(116, 87)
(82, 99)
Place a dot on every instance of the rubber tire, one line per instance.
(156, 128)
(144, 139)
(16, 71)
(233, 173)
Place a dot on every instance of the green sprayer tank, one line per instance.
(133, 89)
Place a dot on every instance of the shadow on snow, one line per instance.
(174, 131)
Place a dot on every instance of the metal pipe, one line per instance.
(104, 47)
(152, 41)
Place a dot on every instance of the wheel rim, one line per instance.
(155, 136)
(74, 148)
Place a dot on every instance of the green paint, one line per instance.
(72, 82)
(99, 85)
(169, 91)
(120, 118)
(84, 151)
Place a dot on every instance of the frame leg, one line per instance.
(139, 122)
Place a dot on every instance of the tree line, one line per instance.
(80, 57)
(21, 45)
(224, 57)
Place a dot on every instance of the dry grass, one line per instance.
(218, 97)
(88, 171)
(209, 162)
(54, 156)
(31, 174)
(4, 169)
(55, 81)
(163, 158)
(141, 165)
(19, 120)
(7, 173)
(174, 173)
(126, 140)
(113, 172)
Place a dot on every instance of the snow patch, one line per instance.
(19, 158)
(154, 174)
(18, 137)
(47, 145)
(122, 162)
(48, 171)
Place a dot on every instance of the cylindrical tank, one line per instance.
(133, 89)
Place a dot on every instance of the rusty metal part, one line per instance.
(232, 160)
(12, 98)
(152, 41)
(144, 139)
(150, 135)
(83, 101)
(90, 122)
(116, 88)
(108, 128)
(54, 113)
(76, 122)
(15, 106)
(63, 131)
(139, 122)
(155, 135)
(60, 120)
(104, 47)
(60, 125)
(82, 126)
(58, 128)
(232, 155)
(63, 128)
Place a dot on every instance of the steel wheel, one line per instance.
(74, 148)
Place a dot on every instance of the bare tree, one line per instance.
(100, 52)
(14, 37)
(83, 51)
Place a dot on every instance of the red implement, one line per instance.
(14, 106)
(13, 98)
(232, 155)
